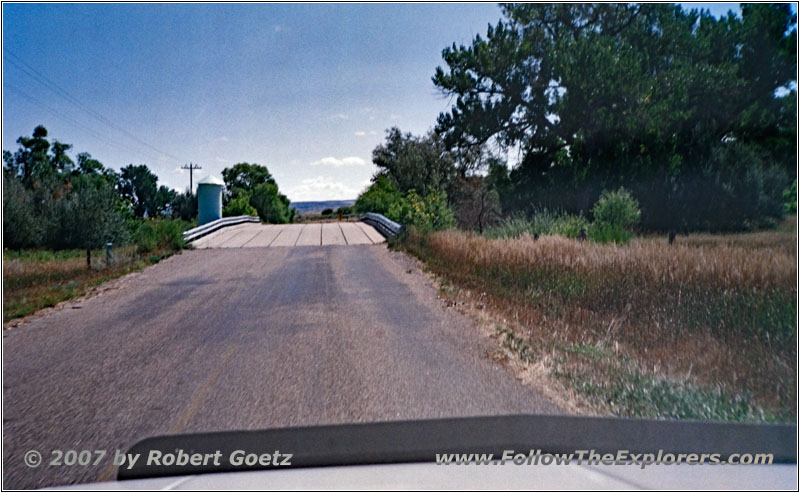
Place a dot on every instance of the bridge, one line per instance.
(252, 235)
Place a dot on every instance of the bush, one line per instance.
(239, 206)
(429, 213)
(542, 222)
(344, 210)
(617, 208)
(608, 233)
(160, 234)
(327, 212)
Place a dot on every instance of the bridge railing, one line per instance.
(195, 233)
(382, 224)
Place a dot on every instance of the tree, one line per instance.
(31, 160)
(184, 206)
(87, 216)
(477, 204)
(165, 197)
(20, 226)
(272, 206)
(597, 95)
(379, 197)
(243, 177)
(255, 182)
(138, 185)
(414, 163)
(239, 206)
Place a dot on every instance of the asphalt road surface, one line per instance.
(247, 338)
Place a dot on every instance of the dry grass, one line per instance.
(710, 317)
(38, 279)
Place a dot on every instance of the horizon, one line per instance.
(306, 90)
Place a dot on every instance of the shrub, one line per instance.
(569, 225)
(615, 214)
(617, 208)
(161, 234)
(327, 212)
(344, 210)
(429, 213)
(239, 206)
(608, 233)
(542, 222)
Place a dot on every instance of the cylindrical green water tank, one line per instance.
(209, 200)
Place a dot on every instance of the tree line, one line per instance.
(696, 116)
(54, 201)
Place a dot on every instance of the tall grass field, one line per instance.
(704, 328)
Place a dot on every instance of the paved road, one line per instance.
(251, 235)
(224, 339)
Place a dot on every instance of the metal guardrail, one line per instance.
(383, 224)
(195, 233)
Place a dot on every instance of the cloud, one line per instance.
(321, 188)
(338, 163)
(362, 133)
(340, 116)
(394, 116)
(222, 160)
(278, 28)
(222, 139)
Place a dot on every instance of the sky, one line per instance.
(307, 90)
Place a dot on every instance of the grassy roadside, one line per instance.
(702, 329)
(36, 279)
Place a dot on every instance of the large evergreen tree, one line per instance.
(649, 95)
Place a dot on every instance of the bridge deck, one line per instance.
(277, 235)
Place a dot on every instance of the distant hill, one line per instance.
(320, 206)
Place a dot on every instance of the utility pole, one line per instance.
(191, 167)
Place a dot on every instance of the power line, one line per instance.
(70, 120)
(22, 65)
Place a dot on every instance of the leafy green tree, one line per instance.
(139, 186)
(239, 206)
(184, 206)
(87, 216)
(21, 228)
(31, 161)
(165, 197)
(414, 163)
(272, 206)
(379, 197)
(244, 177)
(255, 183)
